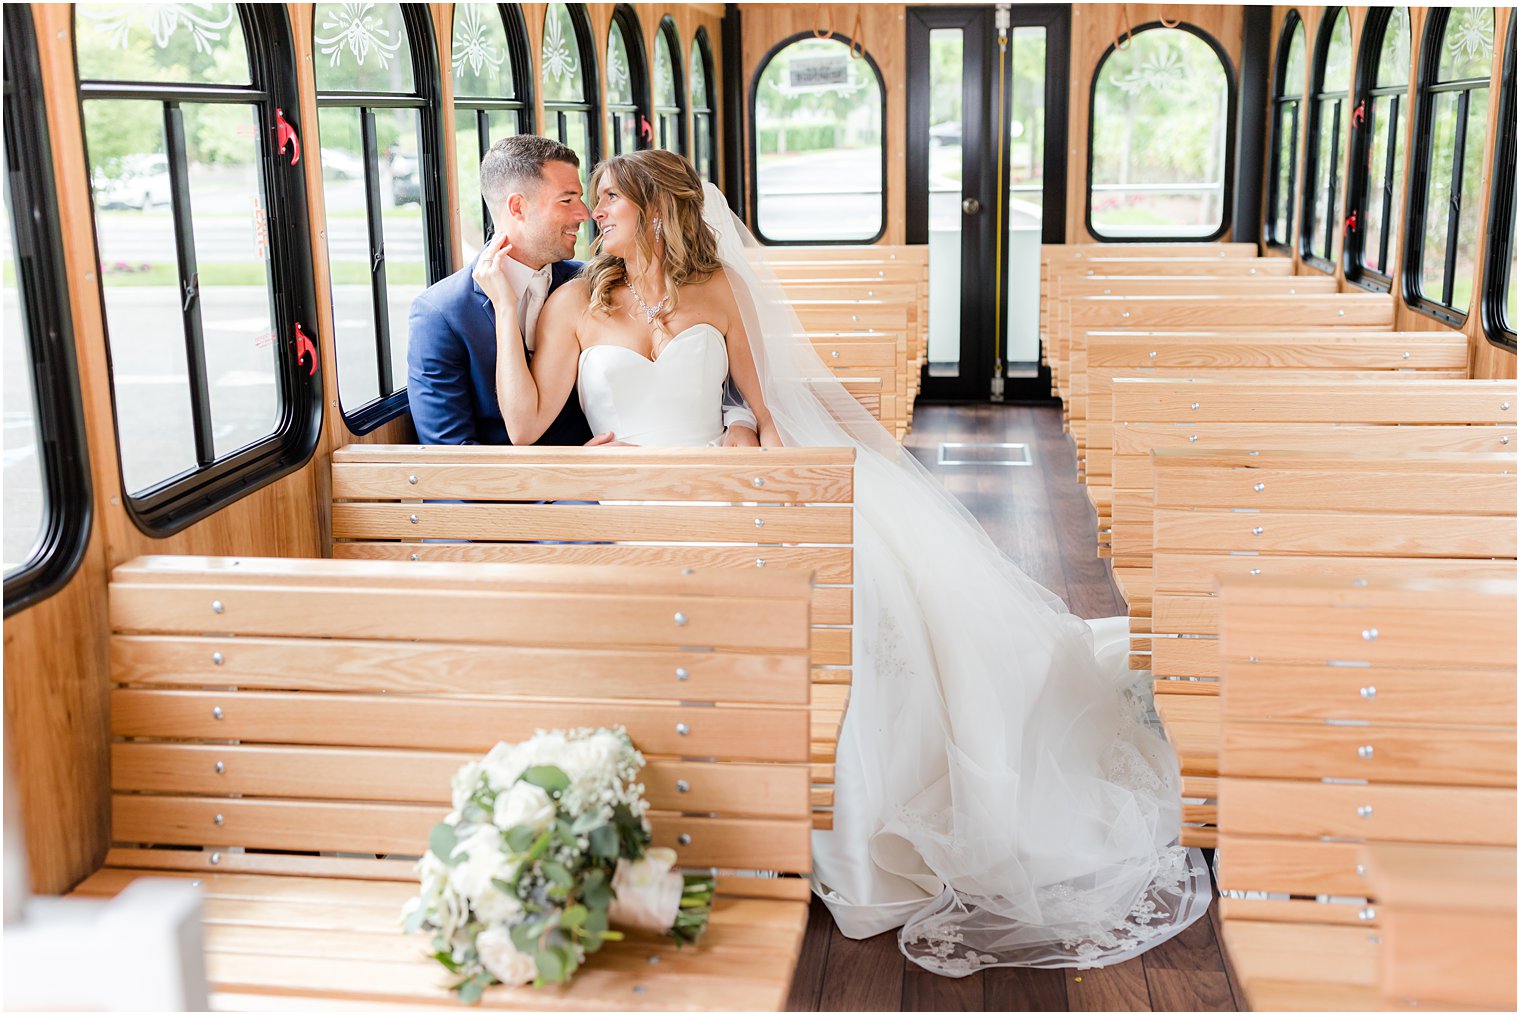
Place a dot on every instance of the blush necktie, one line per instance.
(532, 301)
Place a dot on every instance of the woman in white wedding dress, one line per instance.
(1000, 794)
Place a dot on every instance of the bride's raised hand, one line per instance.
(491, 273)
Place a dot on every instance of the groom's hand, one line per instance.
(739, 437)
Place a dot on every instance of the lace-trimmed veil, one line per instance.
(1000, 794)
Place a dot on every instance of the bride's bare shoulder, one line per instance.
(573, 295)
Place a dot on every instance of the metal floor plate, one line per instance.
(984, 454)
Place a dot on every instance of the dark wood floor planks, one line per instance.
(1039, 516)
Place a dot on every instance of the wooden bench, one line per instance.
(872, 354)
(1298, 353)
(1447, 924)
(880, 317)
(911, 293)
(734, 509)
(280, 723)
(1296, 513)
(1356, 712)
(1412, 416)
(1214, 312)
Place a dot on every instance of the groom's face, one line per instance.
(544, 221)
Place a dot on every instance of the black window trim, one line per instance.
(1426, 86)
(435, 225)
(672, 37)
(1292, 22)
(626, 20)
(516, 28)
(41, 282)
(1316, 99)
(183, 499)
(1499, 258)
(590, 104)
(1232, 102)
(754, 144)
(704, 117)
(1369, 66)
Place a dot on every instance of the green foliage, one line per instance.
(849, 113)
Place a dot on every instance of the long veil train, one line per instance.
(1000, 794)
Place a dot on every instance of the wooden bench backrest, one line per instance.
(322, 705)
(1058, 252)
(1218, 267)
(858, 253)
(1080, 286)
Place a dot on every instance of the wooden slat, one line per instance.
(325, 664)
(373, 827)
(443, 723)
(832, 565)
(1406, 402)
(1348, 532)
(503, 481)
(482, 616)
(600, 522)
(250, 770)
(1319, 692)
(1247, 863)
(1195, 573)
(1461, 756)
(1400, 813)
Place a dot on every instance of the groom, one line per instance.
(532, 187)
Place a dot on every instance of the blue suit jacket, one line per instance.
(451, 366)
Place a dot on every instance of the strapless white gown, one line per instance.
(672, 401)
(999, 792)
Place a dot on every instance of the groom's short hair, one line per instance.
(516, 164)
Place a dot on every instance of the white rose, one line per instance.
(648, 892)
(524, 804)
(464, 784)
(502, 959)
(482, 859)
(496, 906)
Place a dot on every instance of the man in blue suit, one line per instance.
(532, 187)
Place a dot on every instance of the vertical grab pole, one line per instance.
(1004, 22)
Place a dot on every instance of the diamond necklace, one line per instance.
(650, 313)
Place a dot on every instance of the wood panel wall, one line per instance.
(1485, 359)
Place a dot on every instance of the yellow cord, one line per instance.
(999, 201)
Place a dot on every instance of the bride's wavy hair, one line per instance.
(663, 186)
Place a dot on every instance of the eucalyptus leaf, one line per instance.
(471, 989)
(604, 842)
(519, 838)
(557, 873)
(549, 778)
(441, 841)
(589, 820)
(551, 966)
(573, 918)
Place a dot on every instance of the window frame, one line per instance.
(516, 28)
(1316, 98)
(1369, 66)
(705, 114)
(671, 36)
(1429, 63)
(41, 283)
(626, 20)
(1498, 259)
(590, 104)
(754, 144)
(1232, 102)
(1292, 22)
(181, 500)
(436, 228)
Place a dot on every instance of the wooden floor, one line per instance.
(1039, 516)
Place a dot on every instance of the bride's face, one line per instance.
(617, 218)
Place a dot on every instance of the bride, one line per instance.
(1000, 795)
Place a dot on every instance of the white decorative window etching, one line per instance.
(474, 45)
(664, 72)
(562, 66)
(698, 76)
(1161, 70)
(205, 23)
(619, 81)
(1469, 35)
(359, 29)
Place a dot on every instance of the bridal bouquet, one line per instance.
(546, 850)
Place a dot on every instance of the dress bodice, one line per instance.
(674, 400)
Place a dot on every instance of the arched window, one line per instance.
(1163, 111)
(704, 136)
(1499, 317)
(569, 83)
(670, 117)
(627, 83)
(1287, 100)
(492, 100)
(1377, 164)
(816, 116)
(377, 91)
(1327, 123)
(47, 489)
(1451, 127)
(200, 229)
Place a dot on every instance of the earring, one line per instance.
(659, 228)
